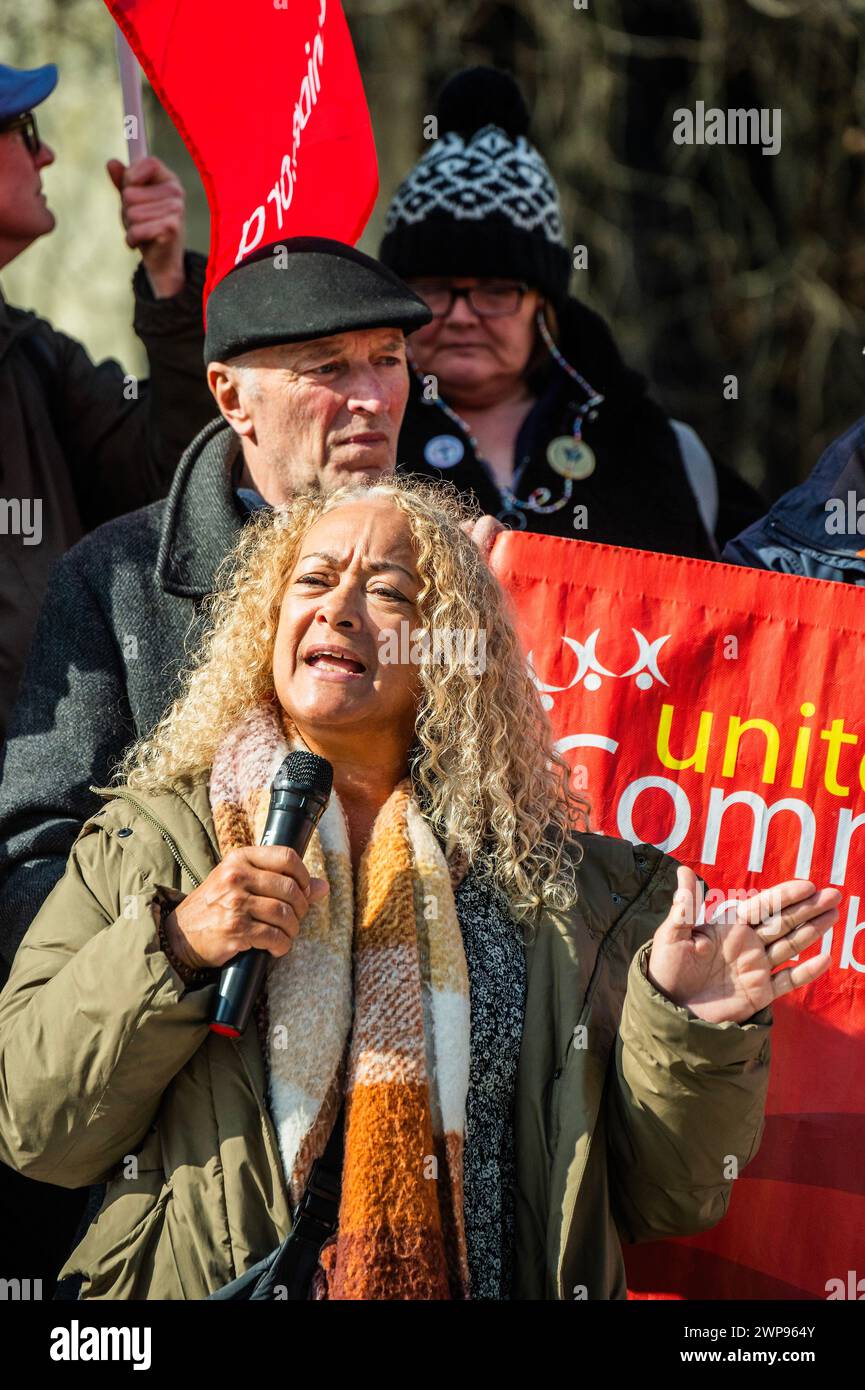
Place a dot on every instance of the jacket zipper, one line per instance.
(124, 796)
(591, 990)
(270, 1133)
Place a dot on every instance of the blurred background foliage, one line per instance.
(707, 260)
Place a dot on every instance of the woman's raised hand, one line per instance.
(256, 898)
(722, 969)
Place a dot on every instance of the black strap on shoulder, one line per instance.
(318, 1213)
(286, 1273)
(315, 1220)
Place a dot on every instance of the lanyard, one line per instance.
(567, 455)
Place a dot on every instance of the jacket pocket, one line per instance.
(116, 1257)
(167, 1281)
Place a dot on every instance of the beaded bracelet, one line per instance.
(191, 975)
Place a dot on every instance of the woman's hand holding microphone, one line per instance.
(255, 899)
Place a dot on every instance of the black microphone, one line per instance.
(298, 795)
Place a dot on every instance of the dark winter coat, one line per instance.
(104, 666)
(639, 493)
(818, 528)
(86, 441)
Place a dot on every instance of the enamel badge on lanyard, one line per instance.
(568, 456)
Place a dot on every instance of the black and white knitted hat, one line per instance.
(481, 200)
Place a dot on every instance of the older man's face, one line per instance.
(323, 412)
(24, 213)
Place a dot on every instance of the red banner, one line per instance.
(718, 713)
(268, 99)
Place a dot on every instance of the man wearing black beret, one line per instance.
(306, 359)
(316, 393)
(305, 353)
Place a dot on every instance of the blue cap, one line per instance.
(23, 88)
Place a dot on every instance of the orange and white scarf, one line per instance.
(373, 1000)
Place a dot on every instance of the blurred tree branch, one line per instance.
(709, 260)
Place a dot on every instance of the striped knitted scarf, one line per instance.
(373, 1000)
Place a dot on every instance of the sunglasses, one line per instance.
(26, 123)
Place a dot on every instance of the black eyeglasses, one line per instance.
(492, 300)
(26, 123)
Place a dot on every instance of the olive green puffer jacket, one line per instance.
(108, 1073)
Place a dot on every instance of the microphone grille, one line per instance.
(302, 768)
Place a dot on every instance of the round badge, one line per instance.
(444, 451)
(570, 457)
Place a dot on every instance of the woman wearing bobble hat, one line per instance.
(519, 393)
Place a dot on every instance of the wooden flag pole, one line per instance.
(130, 85)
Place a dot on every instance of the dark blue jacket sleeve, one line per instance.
(758, 550)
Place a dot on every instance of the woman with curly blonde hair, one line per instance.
(482, 756)
(494, 1030)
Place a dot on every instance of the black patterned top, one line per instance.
(495, 957)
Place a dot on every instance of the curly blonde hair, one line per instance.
(483, 764)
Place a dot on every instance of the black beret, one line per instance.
(301, 288)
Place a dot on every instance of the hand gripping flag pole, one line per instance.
(272, 111)
(130, 86)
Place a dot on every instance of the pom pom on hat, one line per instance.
(482, 96)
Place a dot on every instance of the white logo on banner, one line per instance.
(590, 671)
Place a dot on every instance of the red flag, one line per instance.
(718, 713)
(268, 99)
